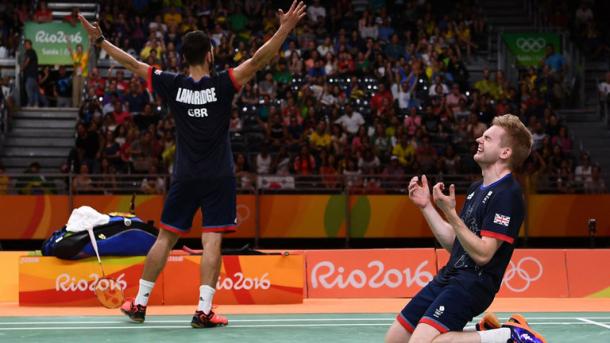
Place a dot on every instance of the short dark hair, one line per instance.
(27, 41)
(195, 46)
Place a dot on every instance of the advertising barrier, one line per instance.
(374, 273)
(588, 272)
(304, 216)
(47, 281)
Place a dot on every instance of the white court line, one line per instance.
(594, 323)
(119, 321)
(143, 327)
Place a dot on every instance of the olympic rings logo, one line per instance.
(531, 44)
(518, 272)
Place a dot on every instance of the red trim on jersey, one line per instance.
(499, 236)
(405, 324)
(441, 328)
(222, 229)
(235, 84)
(149, 79)
(172, 229)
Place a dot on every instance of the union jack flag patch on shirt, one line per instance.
(502, 220)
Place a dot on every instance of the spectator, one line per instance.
(82, 182)
(350, 121)
(304, 163)
(263, 161)
(596, 184)
(153, 183)
(72, 18)
(328, 172)
(30, 73)
(63, 88)
(583, 171)
(43, 14)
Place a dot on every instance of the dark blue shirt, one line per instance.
(202, 111)
(496, 211)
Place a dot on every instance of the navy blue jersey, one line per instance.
(202, 111)
(494, 211)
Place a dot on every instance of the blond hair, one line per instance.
(517, 137)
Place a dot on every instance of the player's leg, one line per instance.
(447, 316)
(219, 216)
(177, 217)
(211, 261)
(404, 325)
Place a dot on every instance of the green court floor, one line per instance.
(319, 328)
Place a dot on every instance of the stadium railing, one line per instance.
(248, 183)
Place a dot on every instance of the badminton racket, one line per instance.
(107, 290)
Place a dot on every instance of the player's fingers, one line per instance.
(300, 7)
(437, 189)
(302, 15)
(424, 181)
(293, 6)
(452, 191)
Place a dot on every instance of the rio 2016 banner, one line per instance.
(50, 41)
(529, 47)
(376, 273)
(47, 281)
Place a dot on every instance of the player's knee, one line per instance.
(397, 334)
(211, 240)
(167, 238)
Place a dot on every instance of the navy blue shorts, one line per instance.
(445, 307)
(215, 197)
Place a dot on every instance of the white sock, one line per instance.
(470, 329)
(501, 335)
(144, 292)
(206, 294)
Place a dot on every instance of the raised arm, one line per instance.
(246, 71)
(124, 59)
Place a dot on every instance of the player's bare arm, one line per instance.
(480, 249)
(420, 195)
(246, 71)
(124, 59)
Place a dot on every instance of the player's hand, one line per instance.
(419, 194)
(445, 203)
(290, 19)
(93, 30)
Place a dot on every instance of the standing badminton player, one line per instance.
(480, 241)
(203, 175)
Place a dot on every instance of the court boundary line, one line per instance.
(594, 323)
(133, 326)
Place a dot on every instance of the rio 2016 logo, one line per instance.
(239, 281)
(67, 283)
(326, 275)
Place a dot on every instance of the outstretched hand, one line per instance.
(93, 30)
(445, 203)
(419, 194)
(290, 19)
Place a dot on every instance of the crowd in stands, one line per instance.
(585, 21)
(361, 88)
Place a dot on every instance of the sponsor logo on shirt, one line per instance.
(470, 196)
(501, 219)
